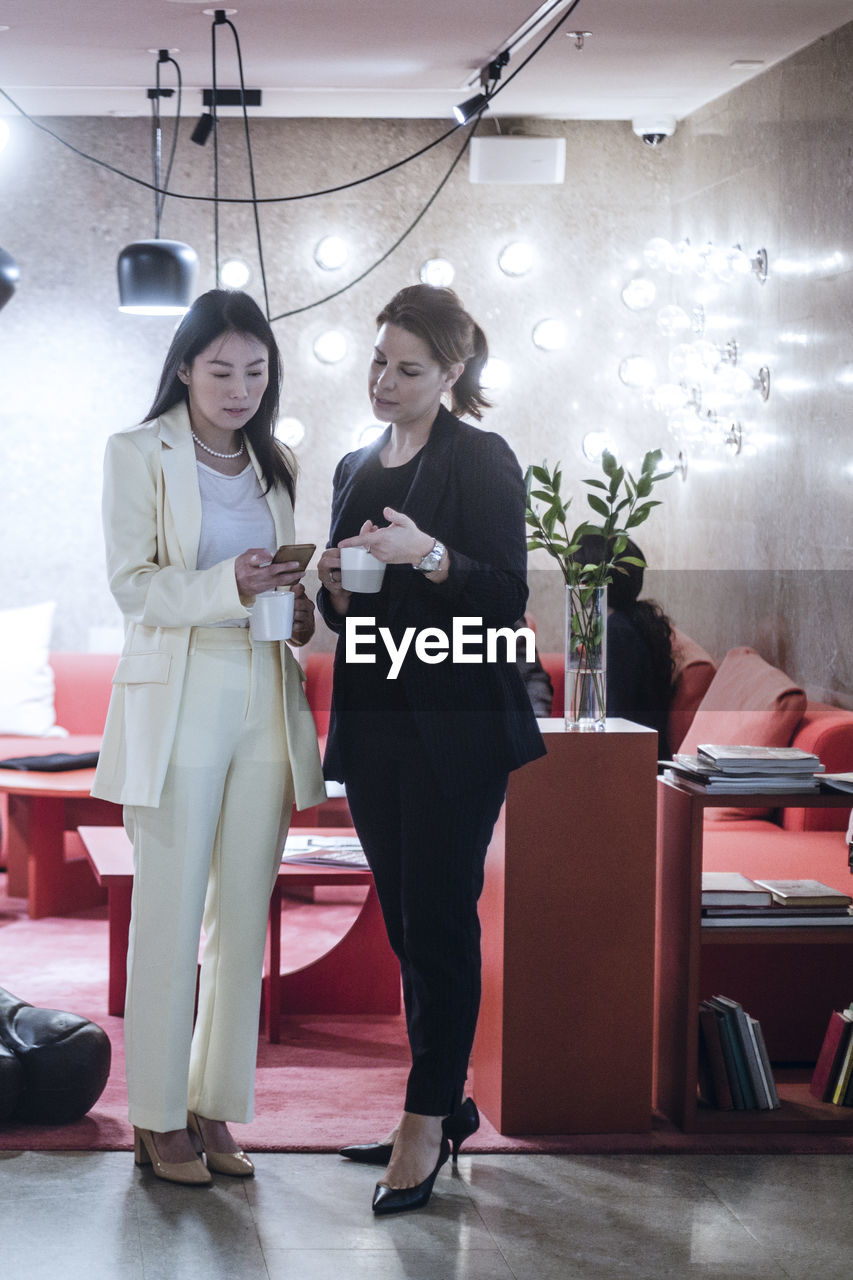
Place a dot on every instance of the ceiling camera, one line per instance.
(653, 129)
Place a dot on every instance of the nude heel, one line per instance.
(190, 1173)
(234, 1163)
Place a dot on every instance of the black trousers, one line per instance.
(427, 854)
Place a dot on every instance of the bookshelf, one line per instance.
(679, 977)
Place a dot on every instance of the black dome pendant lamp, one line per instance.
(10, 273)
(158, 277)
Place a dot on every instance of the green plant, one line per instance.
(621, 501)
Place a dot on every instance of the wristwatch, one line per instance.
(432, 559)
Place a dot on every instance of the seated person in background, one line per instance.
(639, 647)
(537, 682)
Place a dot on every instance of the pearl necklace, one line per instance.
(215, 452)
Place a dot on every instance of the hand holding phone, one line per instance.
(295, 551)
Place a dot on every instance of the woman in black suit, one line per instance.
(425, 749)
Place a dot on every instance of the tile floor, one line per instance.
(93, 1216)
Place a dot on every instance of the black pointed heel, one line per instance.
(400, 1199)
(459, 1126)
(368, 1152)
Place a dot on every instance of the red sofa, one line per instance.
(82, 695)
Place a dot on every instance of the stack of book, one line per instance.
(730, 899)
(833, 1075)
(734, 1069)
(741, 770)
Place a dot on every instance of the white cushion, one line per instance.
(26, 676)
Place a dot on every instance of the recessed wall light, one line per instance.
(495, 375)
(594, 443)
(516, 259)
(330, 347)
(639, 293)
(746, 64)
(366, 435)
(438, 272)
(234, 274)
(290, 431)
(331, 253)
(4, 133)
(549, 335)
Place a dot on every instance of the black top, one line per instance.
(635, 690)
(474, 719)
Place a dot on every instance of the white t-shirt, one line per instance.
(234, 517)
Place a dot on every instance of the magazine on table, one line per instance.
(327, 851)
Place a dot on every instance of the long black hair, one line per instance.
(213, 314)
(437, 317)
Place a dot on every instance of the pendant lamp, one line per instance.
(157, 277)
(9, 275)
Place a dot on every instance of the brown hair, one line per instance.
(437, 317)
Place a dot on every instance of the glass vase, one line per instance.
(586, 658)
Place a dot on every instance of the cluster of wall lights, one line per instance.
(706, 389)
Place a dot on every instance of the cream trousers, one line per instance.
(207, 856)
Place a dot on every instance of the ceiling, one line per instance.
(401, 58)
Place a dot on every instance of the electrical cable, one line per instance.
(160, 195)
(185, 195)
(305, 195)
(337, 293)
(251, 170)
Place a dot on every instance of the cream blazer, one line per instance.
(152, 524)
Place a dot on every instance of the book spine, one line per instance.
(828, 1065)
(753, 1065)
(766, 1068)
(741, 1088)
(711, 1050)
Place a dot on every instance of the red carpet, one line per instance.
(331, 1080)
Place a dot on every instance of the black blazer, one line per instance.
(475, 720)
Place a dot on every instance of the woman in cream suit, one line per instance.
(209, 739)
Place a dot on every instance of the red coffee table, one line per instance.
(359, 974)
(45, 861)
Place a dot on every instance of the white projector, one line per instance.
(517, 159)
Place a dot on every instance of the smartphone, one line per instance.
(301, 551)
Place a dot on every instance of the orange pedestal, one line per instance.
(565, 1038)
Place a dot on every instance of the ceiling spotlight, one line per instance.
(516, 258)
(438, 272)
(234, 274)
(331, 253)
(9, 275)
(330, 347)
(471, 107)
(203, 129)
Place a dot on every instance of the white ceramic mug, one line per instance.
(271, 616)
(360, 571)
